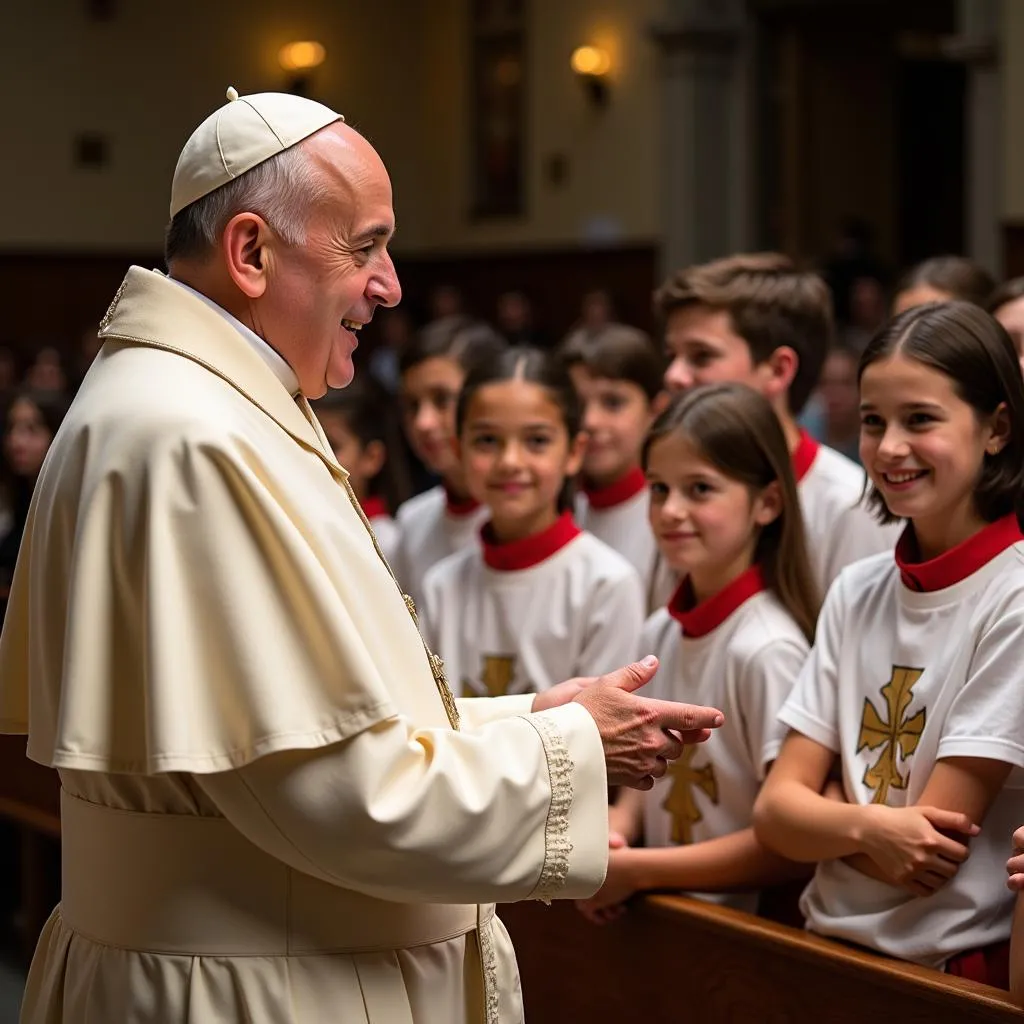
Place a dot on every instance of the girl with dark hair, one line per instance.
(1006, 304)
(446, 518)
(360, 425)
(540, 600)
(913, 687)
(32, 420)
(942, 279)
(726, 514)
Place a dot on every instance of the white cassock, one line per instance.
(431, 527)
(522, 616)
(267, 812)
(618, 515)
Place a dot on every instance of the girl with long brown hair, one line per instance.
(726, 515)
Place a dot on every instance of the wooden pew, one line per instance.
(676, 959)
(30, 799)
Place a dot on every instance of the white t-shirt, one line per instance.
(742, 652)
(385, 529)
(931, 654)
(617, 515)
(430, 529)
(840, 527)
(523, 616)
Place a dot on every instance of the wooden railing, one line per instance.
(671, 959)
(668, 959)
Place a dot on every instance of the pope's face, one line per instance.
(319, 294)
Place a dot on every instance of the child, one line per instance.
(913, 687)
(940, 279)
(736, 632)
(359, 423)
(757, 320)
(1006, 304)
(541, 601)
(444, 519)
(618, 374)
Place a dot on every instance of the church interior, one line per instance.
(552, 163)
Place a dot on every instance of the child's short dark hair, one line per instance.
(1008, 291)
(618, 352)
(770, 303)
(369, 414)
(955, 275)
(535, 366)
(970, 347)
(461, 339)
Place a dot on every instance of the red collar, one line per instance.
(374, 507)
(958, 562)
(626, 487)
(459, 507)
(804, 455)
(700, 619)
(521, 554)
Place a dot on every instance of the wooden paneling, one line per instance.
(52, 299)
(1013, 249)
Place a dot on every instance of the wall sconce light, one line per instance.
(299, 60)
(591, 65)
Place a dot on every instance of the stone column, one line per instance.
(706, 137)
(977, 47)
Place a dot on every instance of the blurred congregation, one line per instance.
(571, 181)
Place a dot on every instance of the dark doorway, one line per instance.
(859, 118)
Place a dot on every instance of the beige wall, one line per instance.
(397, 69)
(146, 78)
(612, 155)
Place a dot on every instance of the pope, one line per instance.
(272, 807)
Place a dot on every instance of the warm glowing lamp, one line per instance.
(299, 59)
(590, 60)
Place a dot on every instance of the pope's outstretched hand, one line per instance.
(640, 735)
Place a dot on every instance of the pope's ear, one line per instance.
(244, 244)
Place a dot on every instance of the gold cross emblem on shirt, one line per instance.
(680, 802)
(497, 672)
(895, 732)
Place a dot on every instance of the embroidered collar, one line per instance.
(626, 487)
(958, 562)
(374, 507)
(522, 554)
(804, 455)
(698, 620)
(458, 507)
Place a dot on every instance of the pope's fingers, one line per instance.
(632, 677)
(1018, 840)
(1015, 865)
(672, 747)
(1016, 882)
(685, 718)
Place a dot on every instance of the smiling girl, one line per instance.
(913, 687)
(541, 600)
(446, 518)
(726, 515)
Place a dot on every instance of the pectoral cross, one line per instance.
(895, 733)
(680, 802)
(497, 672)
